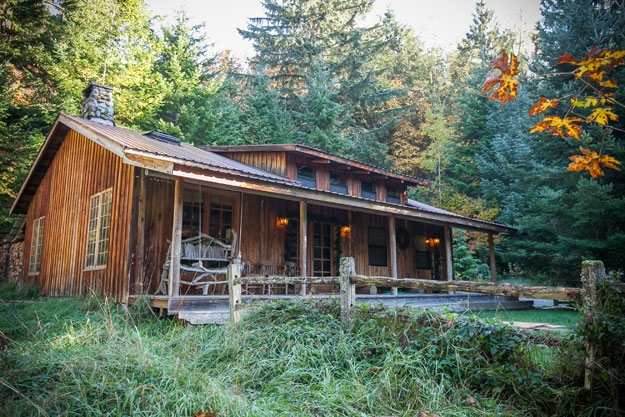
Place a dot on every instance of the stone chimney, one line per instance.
(97, 105)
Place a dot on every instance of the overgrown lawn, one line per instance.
(89, 357)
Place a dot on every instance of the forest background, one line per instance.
(322, 77)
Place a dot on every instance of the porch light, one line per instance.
(432, 241)
(282, 222)
(345, 231)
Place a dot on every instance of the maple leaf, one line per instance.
(592, 161)
(587, 102)
(602, 115)
(508, 86)
(592, 66)
(556, 125)
(542, 106)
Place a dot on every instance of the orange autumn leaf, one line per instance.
(542, 106)
(508, 85)
(591, 161)
(556, 125)
(602, 115)
(594, 63)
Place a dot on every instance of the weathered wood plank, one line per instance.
(501, 289)
(174, 269)
(303, 239)
(449, 264)
(491, 251)
(392, 242)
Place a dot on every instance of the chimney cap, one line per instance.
(97, 104)
(89, 87)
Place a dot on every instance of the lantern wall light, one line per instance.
(345, 231)
(282, 222)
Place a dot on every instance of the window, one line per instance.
(423, 260)
(392, 196)
(220, 218)
(307, 176)
(338, 183)
(291, 241)
(377, 246)
(322, 249)
(99, 229)
(35, 246)
(192, 212)
(367, 190)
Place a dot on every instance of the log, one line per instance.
(593, 274)
(347, 268)
(501, 289)
(283, 280)
(234, 291)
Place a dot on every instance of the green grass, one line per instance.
(559, 316)
(90, 357)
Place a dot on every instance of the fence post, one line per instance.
(348, 290)
(593, 274)
(234, 291)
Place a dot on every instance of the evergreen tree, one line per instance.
(264, 116)
(294, 36)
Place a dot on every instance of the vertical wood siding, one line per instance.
(274, 162)
(80, 169)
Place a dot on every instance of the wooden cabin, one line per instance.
(118, 212)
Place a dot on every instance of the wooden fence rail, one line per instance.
(593, 274)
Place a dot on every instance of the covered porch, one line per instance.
(188, 231)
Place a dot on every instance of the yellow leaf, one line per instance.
(508, 85)
(591, 161)
(542, 106)
(601, 115)
(556, 126)
(593, 64)
(587, 102)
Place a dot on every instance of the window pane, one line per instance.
(392, 195)
(307, 176)
(377, 246)
(367, 190)
(338, 183)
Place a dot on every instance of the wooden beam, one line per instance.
(303, 242)
(174, 263)
(392, 240)
(491, 250)
(140, 247)
(346, 202)
(449, 258)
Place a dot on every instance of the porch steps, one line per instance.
(204, 316)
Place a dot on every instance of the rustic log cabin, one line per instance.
(124, 213)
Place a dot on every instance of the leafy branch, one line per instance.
(590, 71)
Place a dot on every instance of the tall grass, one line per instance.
(89, 357)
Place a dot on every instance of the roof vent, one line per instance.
(163, 137)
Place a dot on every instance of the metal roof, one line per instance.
(309, 150)
(126, 142)
(133, 140)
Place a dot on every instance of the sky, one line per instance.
(442, 25)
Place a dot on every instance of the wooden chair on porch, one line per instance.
(203, 257)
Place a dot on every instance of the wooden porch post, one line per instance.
(174, 264)
(393, 250)
(140, 248)
(303, 242)
(449, 257)
(491, 249)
